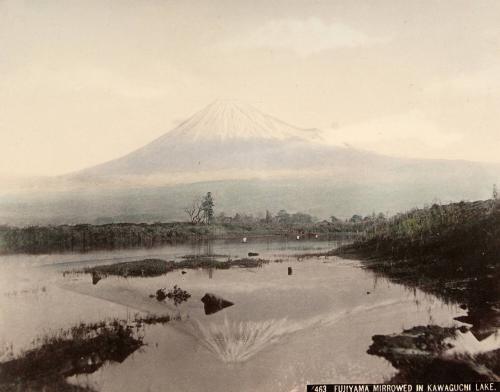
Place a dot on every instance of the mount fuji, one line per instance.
(251, 162)
(227, 137)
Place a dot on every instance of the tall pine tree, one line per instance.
(208, 208)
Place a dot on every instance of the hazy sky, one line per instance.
(85, 81)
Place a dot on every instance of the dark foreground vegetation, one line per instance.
(176, 294)
(80, 350)
(453, 252)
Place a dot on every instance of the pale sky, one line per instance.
(82, 82)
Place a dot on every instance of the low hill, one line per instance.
(320, 197)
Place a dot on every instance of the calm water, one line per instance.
(283, 331)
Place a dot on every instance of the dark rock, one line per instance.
(183, 272)
(368, 292)
(96, 277)
(485, 321)
(463, 328)
(419, 356)
(213, 304)
(250, 254)
(290, 270)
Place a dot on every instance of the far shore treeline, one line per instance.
(401, 236)
(87, 237)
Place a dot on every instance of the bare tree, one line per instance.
(194, 211)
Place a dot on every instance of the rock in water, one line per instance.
(251, 254)
(289, 270)
(213, 304)
(96, 277)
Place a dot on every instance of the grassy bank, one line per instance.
(453, 252)
(450, 250)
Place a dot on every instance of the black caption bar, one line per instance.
(437, 387)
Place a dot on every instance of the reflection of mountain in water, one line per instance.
(238, 341)
(234, 341)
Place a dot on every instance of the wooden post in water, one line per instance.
(289, 270)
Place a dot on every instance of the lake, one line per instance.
(282, 332)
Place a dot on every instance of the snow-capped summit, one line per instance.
(225, 135)
(229, 140)
(230, 119)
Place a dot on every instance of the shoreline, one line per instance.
(419, 354)
(67, 245)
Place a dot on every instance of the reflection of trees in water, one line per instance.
(477, 290)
